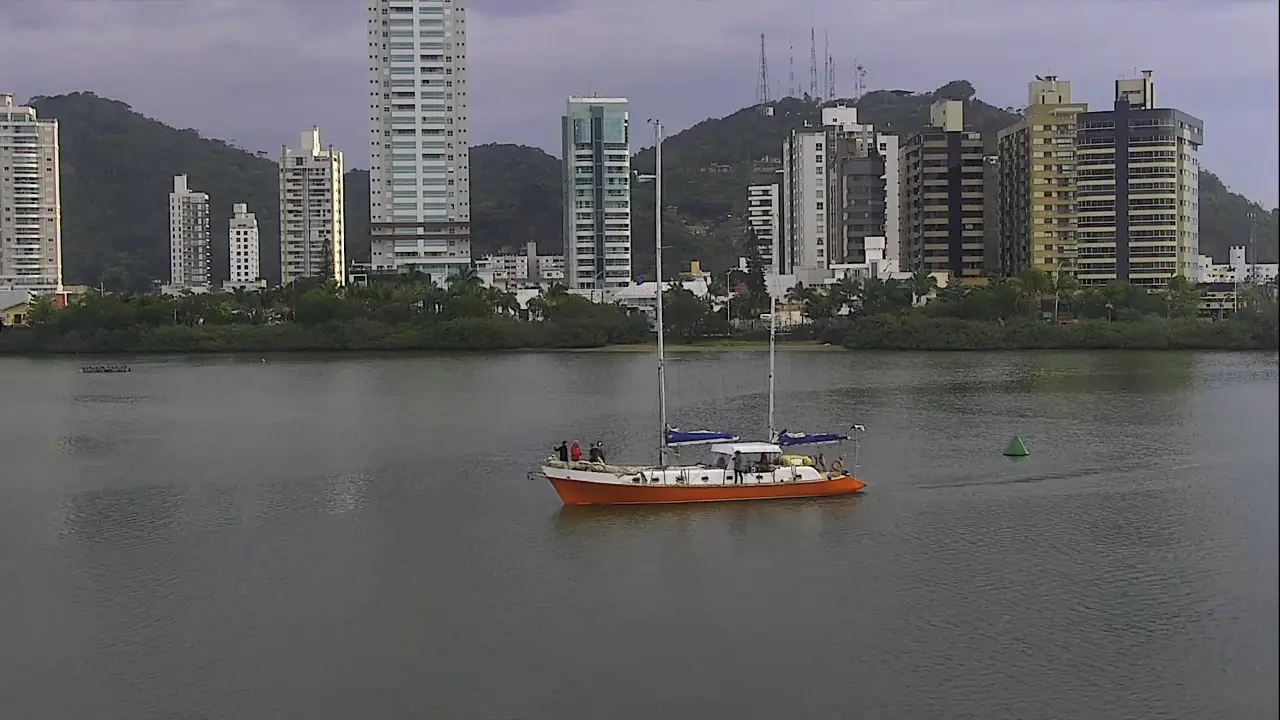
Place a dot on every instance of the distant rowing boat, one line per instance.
(106, 369)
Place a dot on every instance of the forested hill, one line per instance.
(117, 169)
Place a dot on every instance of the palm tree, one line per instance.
(556, 290)
(550, 299)
(242, 305)
(1063, 284)
(536, 307)
(800, 293)
(848, 293)
(820, 305)
(503, 302)
(1034, 284)
(875, 296)
(922, 284)
(1181, 296)
(1116, 295)
(467, 280)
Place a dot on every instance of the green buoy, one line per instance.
(1016, 448)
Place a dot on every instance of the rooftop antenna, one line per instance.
(762, 92)
(813, 64)
(791, 68)
(859, 80)
(826, 65)
(831, 78)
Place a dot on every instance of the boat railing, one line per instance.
(587, 466)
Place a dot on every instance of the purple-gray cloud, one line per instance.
(258, 71)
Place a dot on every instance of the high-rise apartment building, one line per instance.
(1138, 190)
(861, 215)
(595, 134)
(863, 176)
(804, 199)
(189, 240)
(942, 194)
(312, 224)
(30, 200)
(1036, 166)
(243, 247)
(419, 174)
(836, 186)
(764, 217)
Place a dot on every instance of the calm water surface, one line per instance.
(354, 537)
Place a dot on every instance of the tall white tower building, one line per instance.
(242, 238)
(189, 264)
(804, 198)
(419, 173)
(30, 195)
(597, 192)
(312, 224)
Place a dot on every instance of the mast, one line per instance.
(657, 259)
(773, 325)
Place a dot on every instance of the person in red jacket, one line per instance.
(575, 452)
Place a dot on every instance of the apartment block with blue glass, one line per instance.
(597, 193)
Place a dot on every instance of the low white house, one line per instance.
(1236, 270)
(644, 296)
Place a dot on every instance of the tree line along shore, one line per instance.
(1025, 313)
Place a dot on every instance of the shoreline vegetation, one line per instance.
(412, 313)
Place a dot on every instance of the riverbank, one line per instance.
(915, 332)
(711, 346)
(883, 332)
(464, 334)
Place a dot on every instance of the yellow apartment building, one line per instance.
(1036, 165)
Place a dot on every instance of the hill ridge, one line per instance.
(117, 165)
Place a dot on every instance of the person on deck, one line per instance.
(575, 452)
(597, 453)
(562, 451)
(739, 468)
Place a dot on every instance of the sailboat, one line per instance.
(740, 471)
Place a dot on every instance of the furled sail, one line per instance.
(790, 439)
(678, 437)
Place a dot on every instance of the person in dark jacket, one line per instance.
(739, 468)
(597, 453)
(562, 451)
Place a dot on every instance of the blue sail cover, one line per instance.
(698, 437)
(790, 439)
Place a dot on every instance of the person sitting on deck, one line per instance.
(562, 451)
(575, 452)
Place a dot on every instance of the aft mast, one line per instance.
(773, 325)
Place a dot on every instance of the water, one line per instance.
(338, 537)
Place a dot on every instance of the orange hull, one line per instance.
(579, 492)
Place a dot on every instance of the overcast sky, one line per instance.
(259, 71)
